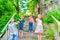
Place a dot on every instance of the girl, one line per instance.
(20, 28)
(30, 23)
(39, 28)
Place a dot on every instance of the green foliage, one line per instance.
(16, 17)
(6, 7)
(6, 10)
(3, 21)
(23, 13)
(46, 0)
(48, 32)
(31, 5)
(55, 12)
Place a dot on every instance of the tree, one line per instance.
(6, 7)
(40, 6)
(31, 5)
(15, 4)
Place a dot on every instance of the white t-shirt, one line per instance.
(12, 28)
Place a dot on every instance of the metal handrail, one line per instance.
(57, 38)
(5, 27)
(55, 19)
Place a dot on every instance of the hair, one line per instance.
(38, 14)
(12, 18)
(30, 14)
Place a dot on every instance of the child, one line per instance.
(21, 25)
(39, 28)
(12, 31)
(31, 23)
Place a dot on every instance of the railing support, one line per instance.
(58, 27)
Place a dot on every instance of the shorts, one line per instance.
(20, 28)
(13, 36)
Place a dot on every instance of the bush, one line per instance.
(48, 18)
(3, 21)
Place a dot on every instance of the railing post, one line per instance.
(0, 37)
(59, 29)
(7, 32)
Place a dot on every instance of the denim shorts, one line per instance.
(13, 37)
(20, 28)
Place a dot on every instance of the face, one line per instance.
(30, 15)
(39, 15)
(12, 19)
(22, 17)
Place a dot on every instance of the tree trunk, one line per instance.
(17, 9)
(17, 6)
(40, 7)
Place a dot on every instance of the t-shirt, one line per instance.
(12, 28)
(30, 19)
(39, 22)
(21, 22)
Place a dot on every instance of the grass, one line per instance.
(34, 38)
(48, 32)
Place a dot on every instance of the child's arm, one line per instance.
(8, 33)
(17, 23)
(33, 20)
(36, 19)
(41, 24)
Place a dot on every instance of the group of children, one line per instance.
(14, 33)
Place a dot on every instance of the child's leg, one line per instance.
(8, 33)
(59, 33)
(39, 36)
(21, 33)
(11, 37)
(29, 27)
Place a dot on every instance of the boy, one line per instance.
(21, 25)
(12, 31)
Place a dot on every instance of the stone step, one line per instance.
(27, 36)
